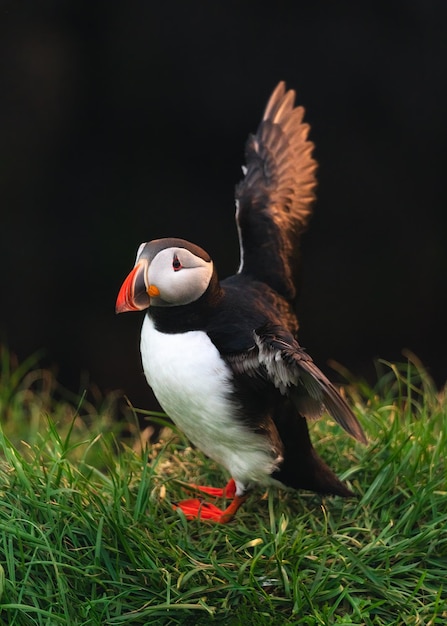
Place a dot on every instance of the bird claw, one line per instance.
(229, 491)
(196, 508)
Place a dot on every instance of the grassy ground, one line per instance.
(88, 535)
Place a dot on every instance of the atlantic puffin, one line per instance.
(222, 357)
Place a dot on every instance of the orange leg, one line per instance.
(195, 508)
(228, 491)
(231, 510)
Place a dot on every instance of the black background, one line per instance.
(126, 121)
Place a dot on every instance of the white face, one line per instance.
(179, 275)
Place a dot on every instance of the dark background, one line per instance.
(126, 121)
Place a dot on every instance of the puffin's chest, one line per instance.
(194, 386)
(189, 379)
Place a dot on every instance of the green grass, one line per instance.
(88, 535)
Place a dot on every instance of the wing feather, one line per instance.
(278, 358)
(274, 200)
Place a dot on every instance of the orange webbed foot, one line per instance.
(197, 509)
(228, 491)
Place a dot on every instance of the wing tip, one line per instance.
(345, 417)
(357, 432)
(362, 437)
(275, 97)
(280, 104)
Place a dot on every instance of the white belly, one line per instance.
(193, 385)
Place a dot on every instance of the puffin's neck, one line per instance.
(193, 316)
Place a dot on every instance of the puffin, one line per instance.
(222, 356)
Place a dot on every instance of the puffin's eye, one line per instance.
(176, 265)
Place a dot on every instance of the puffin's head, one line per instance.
(167, 272)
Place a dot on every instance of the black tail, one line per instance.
(302, 468)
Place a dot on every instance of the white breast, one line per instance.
(193, 385)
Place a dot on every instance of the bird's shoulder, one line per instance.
(245, 306)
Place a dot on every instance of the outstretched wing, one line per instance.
(274, 199)
(280, 359)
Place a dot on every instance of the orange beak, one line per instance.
(134, 295)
